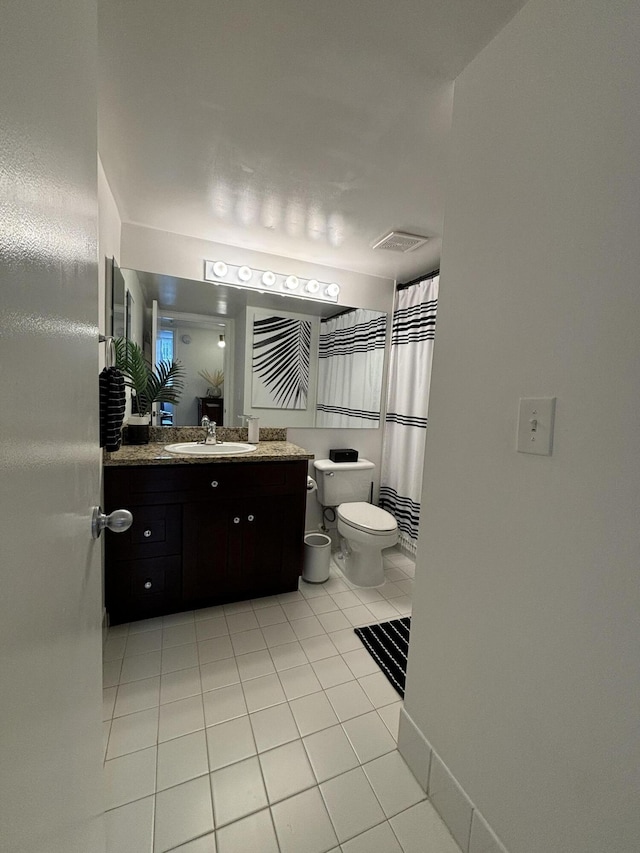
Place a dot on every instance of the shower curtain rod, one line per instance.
(420, 278)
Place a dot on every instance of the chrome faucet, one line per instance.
(210, 431)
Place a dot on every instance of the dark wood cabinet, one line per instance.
(203, 534)
(212, 407)
(139, 589)
(241, 548)
(206, 572)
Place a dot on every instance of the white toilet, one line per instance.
(366, 528)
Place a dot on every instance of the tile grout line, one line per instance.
(264, 783)
(155, 800)
(278, 672)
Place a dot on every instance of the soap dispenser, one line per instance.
(253, 428)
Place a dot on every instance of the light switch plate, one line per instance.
(535, 425)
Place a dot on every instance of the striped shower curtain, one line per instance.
(412, 336)
(350, 369)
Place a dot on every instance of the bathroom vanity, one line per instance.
(205, 531)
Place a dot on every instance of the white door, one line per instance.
(50, 584)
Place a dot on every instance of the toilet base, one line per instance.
(363, 567)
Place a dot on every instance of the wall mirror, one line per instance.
(116, 298)
(291, 362)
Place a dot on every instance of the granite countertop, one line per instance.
(155, 454)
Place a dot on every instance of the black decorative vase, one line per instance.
(138, 430)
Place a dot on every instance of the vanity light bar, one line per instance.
(267, 281)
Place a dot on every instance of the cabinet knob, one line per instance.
(214, 484)
(250, 517)
(148, 584)
(236, 520)
(147, 534)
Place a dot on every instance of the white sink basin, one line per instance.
(224, 448)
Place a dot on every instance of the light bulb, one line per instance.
(291, 282)
(312, 286)
(268, 278)
(244, 274)
(332, 290)
(220, 269)
(221, 342)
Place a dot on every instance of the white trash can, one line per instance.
(317, 554)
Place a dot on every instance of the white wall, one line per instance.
(175, 254)
(203, 353)
(523, 669)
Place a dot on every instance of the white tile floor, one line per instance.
(262, 727)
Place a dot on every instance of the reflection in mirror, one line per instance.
(350, 369)
(289, 361)
(118, 300)
(194, 341)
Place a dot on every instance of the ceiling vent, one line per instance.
(400, 241)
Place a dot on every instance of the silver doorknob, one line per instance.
(117, 521)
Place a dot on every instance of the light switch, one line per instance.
(535, 425)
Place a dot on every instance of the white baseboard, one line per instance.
(464, 821)
(414, 748)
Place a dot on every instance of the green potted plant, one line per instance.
(149, 385)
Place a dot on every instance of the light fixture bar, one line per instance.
(266, 281)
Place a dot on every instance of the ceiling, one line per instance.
(302, 129)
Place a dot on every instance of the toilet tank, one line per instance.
(343, 482)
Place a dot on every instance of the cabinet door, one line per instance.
(232, 550)
(240, 549)
(264, 528)
(206, 552)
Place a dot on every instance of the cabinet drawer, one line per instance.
(155, 532)
(152, 577)
(239, 480)
(178, 483)
(137, 589)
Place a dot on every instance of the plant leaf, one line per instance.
(164, 384)
(281, 353)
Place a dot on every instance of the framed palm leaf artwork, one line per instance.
(281, 356)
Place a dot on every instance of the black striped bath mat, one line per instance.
(388, 645)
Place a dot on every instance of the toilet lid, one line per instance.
(367, 517)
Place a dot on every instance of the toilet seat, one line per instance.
(367, 518)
